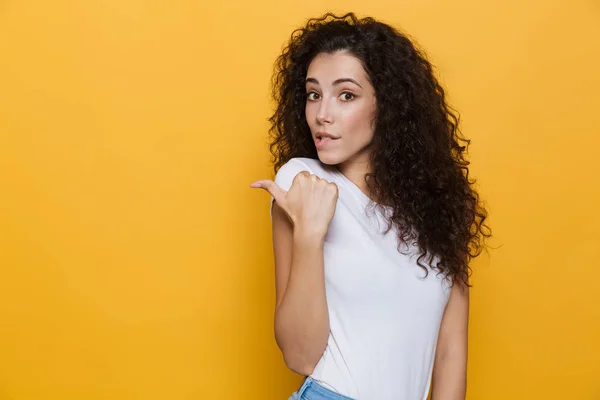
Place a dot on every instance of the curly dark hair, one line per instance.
(418, 164)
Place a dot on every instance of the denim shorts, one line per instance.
(311, 390)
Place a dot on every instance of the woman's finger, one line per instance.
(271, 187)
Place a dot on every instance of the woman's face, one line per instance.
(340, 102)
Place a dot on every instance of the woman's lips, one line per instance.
(324, 142)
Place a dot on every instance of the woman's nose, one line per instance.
(324, 116)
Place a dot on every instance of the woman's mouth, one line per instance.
(324, 141)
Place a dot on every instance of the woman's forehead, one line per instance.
(326, 68)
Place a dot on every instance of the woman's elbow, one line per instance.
(299, 364)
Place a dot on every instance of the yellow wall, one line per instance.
(135, 262)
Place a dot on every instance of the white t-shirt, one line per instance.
(384, 317)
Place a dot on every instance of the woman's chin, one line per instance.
(328, 159)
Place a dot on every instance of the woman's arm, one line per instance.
(301, 314)
(449, 380)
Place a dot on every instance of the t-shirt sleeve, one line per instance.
(285, 176)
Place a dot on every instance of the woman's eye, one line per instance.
(311, 95)
(347, 96)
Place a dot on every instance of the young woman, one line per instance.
(374, 217)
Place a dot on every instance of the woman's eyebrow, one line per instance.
(336, 82)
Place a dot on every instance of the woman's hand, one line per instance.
(310, 203)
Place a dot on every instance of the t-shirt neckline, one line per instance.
(354, 187)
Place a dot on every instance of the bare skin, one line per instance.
(301, 218)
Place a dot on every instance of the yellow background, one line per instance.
(135, 262)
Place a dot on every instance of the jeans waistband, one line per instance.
(312, 385)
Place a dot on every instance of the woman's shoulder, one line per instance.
(313, 166)
(302, 163)
(288, 171)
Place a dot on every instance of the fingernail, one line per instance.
(255, 185)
